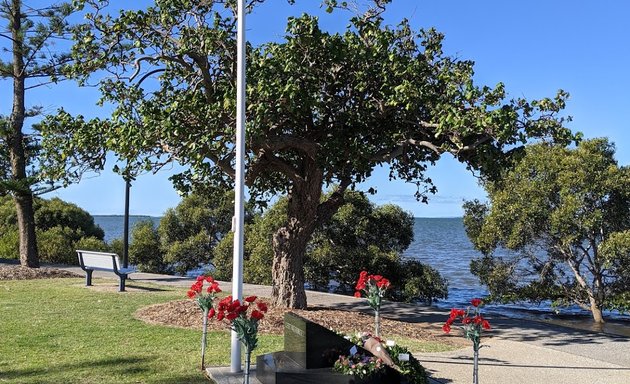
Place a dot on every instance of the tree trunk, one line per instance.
(596, 311)
(289, 248)
(22, 194)
(290, 241)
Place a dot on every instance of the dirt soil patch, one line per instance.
(17, 272)
(186, 314)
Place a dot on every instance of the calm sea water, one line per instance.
(114, 225)
(439, 242)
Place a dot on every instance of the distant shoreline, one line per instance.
(124, 216)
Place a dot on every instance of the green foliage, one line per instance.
(144, 248)
(566, 213)
(323, 108)
(186, 236)
(56, 246)
(92, 244)
(56, 212)
(62, 228)
(411, 369)
(360, 236)
(9, 244)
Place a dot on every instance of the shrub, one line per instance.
(144, 249)
(60, 227)
(92, 244)
(9, 244)
(56, 246)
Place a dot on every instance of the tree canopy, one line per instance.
(323, 109)
(566, 213)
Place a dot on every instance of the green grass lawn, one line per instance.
(58, 331)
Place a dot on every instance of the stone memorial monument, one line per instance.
(310, 352)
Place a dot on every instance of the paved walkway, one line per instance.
(521, 351)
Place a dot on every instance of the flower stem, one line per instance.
(476, 364)
(203, 338)
(248, 355)
(377, 323)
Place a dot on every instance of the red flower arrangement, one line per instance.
(472, 323)
(204, 300)
(243, 318)
(374, 287)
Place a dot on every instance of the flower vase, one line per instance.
(377, 323)
(204, 336)
(475, 364)
(248, 356)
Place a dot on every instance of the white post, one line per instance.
(239, 187)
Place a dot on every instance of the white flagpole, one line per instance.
(239, 188)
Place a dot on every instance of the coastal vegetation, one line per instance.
(324, 110)
(61, 228)
(360, 236)
(566, 214)
(186, 236)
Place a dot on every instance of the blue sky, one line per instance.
(535, 47)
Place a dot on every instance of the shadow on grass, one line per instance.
(147, 289)
(119, 366)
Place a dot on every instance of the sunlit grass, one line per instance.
(58, 331)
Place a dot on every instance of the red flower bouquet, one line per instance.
(374, 287)
(243, 318)
(472, 324)
(204, 299)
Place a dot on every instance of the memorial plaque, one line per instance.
(310, 345)
(310, 352)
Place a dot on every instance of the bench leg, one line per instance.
(88, 277)
(121, 287)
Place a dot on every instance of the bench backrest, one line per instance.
(99, 260)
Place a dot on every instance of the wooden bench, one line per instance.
(91, 261)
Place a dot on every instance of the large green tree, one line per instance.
(566, 213)
(323, 109)
(32, 41)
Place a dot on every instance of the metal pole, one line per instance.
(126, 225)
(239, 187)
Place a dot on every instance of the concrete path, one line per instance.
(520, 351)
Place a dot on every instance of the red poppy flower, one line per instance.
(257, 315)
(200, 278)
(357, 294)
(231, 316)
(211, 313)
(250, 299)
(209, 279)
(466, 320)
(446, 328)
(376, 277)
(191, 294)
(262, 306)
(475, 302)
(220, 315)
(485, 324)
